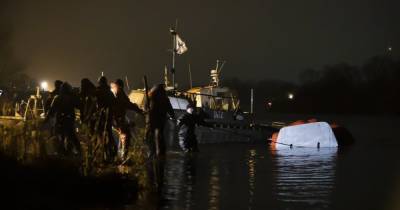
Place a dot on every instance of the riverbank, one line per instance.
(34, 173)
(55, 183)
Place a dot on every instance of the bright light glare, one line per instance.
(290, 96)
(44, 85)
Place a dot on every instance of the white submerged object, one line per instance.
(318, 134)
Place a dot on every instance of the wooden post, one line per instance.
(190, 77)
(127, 84)
(146, 92)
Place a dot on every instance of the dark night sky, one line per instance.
(260, 39)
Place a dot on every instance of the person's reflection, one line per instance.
(189, 178)
(155, 168)
(179, 182)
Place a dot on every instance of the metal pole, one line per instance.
(252, 101)
(173, 56)
(173, 64)
(190, 77)
(146, 91)
(174, 52)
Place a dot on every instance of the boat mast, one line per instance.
(173, 33)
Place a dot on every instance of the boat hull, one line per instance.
(223, 132)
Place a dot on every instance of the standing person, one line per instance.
(187, 125)
(159, 107)
(53, 94)
(105, 100)
(120, 106)
(87, 106)
(63, 107)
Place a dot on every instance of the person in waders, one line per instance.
(187, 125)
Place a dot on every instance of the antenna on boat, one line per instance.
(222, 66)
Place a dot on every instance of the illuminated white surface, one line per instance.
(307, 135)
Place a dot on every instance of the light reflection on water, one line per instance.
(214, 191)
(252, 175)
(249, 177)
(240, 176)
(305, 176)
(179, 181)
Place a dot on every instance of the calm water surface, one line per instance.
(239, 176)
(243, 176)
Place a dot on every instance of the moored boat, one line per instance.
(219, 106)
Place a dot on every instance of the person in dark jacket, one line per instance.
(120, 106)
(105, 100)
(53, 94)
(159, 107)
(187, 125)
(87, 106)
(63, 107)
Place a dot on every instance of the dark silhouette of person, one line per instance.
(53, 94)
(159, 107)
(187, 125)
(63, 107)
(87, 106)
(105, 101)
(120, 106)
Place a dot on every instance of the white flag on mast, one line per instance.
(180, 47)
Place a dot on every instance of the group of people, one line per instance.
(104, 107)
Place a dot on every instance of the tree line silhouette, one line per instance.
(371, 88)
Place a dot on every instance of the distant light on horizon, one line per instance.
(291, 96)
(44, 85)
(390, 48)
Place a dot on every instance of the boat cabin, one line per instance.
(214, 98)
